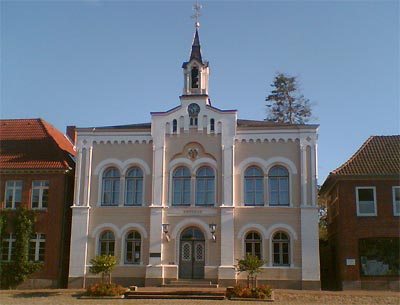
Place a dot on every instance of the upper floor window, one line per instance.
(181, 186)
(281, 249)
(13, 194)
(133, 243)
(254, 186)
(205, 186)
(40, 194)
(106, 243)
(7, 247)
(37, 247)
(212, 125)
(366, 201)
(174, 125)
(253, 244)
(134, 187)
(278, 178)
(110, 191)
(396, 200)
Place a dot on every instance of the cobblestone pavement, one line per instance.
(282, 297)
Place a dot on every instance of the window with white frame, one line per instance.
(134, 187)
(13, 194)
(253, 244)
(37, 245)
(110, 187)
(133, 242)
(254, 186)
(281, 249)
(40, 194)
(7, 247)
(181, 187)
(366, 201)
(205, 186)
(106, 243)
(396, 200)
(278, 178)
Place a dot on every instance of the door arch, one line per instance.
(191, 254)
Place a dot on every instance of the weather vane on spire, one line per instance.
(197, 7)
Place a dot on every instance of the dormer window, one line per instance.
(193, 110)
(195, 77)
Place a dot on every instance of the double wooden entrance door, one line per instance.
(192, 254)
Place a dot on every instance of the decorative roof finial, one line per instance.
(197, 7)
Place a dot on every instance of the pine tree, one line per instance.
(285, 103)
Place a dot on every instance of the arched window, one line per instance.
(205, 186)
(107, 243)
(195, 77)
(281, 249)
(181, 186)
(278, 178)
(110, 193)
(134, 187)
(254, 186)
(212, 125)
(133, 243)
(174, 125)
(253, 244)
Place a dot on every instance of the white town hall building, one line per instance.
(187, 195)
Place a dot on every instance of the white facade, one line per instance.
(153, 195)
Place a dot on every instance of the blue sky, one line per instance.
(97, 63)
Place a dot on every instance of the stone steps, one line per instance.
(176, 294)
(191, 284)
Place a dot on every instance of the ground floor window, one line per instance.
(379, 256)
(36, 247)
(7, 247)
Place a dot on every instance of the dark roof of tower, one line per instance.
(196, 52)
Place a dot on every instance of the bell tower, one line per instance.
(195, 71)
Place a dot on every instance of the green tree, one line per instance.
(252, 265)
(286, 104)
(103, 264)
(19, 268)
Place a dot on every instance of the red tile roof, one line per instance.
(379, 155)
(33, 144)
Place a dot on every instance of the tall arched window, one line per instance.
(253, 244)
(278, 178)
(205, 186)
(281, 249)
(254, 186)
(134, 187)
(133, 243)
(212, 125)
(174, 125)
(110, 192)
(195, 77)
(107, 243)
(181, 186)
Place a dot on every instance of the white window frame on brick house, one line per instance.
(41, 187)
(37, 243)
(14, 193)
(8, 246)
(373, 188)
(396, 200)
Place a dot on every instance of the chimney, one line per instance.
(71, 133)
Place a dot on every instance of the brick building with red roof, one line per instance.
(37, 165)
(363, 201)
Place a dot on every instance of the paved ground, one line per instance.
(282, 297)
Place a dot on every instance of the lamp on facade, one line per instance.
(165, 229)
(213, 228)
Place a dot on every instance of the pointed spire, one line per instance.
(196, 52)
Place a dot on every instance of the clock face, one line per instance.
(193, 109)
